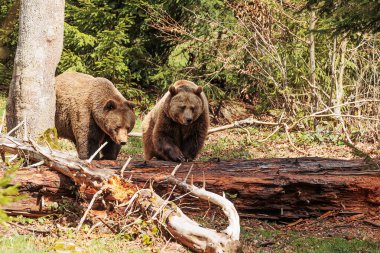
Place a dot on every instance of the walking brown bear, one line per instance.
(176, 128)
(90, 111)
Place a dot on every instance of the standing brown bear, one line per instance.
(177, 126)
(91, 111)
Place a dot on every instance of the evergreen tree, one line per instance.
(350, 15)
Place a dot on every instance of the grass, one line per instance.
(20, 243)
(36, 244)
(322, 245)
(264, 240)
(227, 149)
(135, 144)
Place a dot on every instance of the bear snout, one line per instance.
(189, 120)
(122, 136)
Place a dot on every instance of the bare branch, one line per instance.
(15, 128)
(89, 208)
(125, 166)
(97, 151)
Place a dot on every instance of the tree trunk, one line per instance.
(278, 188)
(287, 188)
(333, 82)
(7, 27)
(314, 103)
(31, 93)
(339, 89)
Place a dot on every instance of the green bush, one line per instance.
(8, 192)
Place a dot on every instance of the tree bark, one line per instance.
(31, 93)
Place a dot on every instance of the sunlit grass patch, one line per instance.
(258, 239)
(22, 244)
(320, 245)
(226, 148)
(34, 244)
(135, 144)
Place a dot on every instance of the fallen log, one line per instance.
(164, 212)
(43, 190)
(288, 188)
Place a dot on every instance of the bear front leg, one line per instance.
(190, 149)
(167, 149)
(111, 150)
(87, 141)
(174, 154)
(194, 142)
(165, 139)
(86, 147)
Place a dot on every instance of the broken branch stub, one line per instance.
(167, 213)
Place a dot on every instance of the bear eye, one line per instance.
(192, 108)
(183, 107)
(110, 105)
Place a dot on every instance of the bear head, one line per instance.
(186, 104)
(118, 119)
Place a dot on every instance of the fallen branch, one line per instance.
(240, 123)
(375, 224)
(180, 226)
(248, 122)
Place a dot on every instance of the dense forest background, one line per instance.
(313, 64)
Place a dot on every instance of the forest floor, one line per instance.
(329, 233)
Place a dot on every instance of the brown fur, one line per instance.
(176, 128)
(91, 111)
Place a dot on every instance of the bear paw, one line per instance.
(177, 156)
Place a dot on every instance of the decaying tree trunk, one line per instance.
(264, 188)
(32, 94)
(280, 188)
(108, 182)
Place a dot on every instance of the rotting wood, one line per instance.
(287, 188)
(165, 212)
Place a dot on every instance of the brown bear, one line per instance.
(90, 111)
(176, 128)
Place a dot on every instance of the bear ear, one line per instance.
(172, 90)
(130, 105)
(199, 90)
(110, 105)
